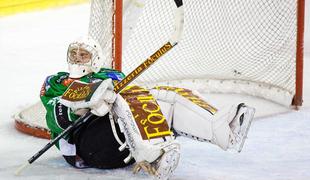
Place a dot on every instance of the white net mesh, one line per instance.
(34, 117)
(101, 26)
(239, 46)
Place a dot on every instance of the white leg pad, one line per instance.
(148, 150)
(191, 120)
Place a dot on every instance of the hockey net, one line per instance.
(246, 47)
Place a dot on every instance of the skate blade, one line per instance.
(250, 116)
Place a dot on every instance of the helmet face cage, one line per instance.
(79, 56)
(82, 54)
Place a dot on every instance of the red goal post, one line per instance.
(297, 101)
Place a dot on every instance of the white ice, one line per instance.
(33, 45)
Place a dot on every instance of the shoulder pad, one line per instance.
(53, 81)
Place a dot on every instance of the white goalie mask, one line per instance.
(84, 56)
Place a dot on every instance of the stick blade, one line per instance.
(21, 168)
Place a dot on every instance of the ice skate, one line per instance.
(168, 162)
(241, 125)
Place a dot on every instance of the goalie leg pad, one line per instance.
(141, 149)
(193, 120)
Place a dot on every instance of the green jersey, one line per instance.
(58, 116)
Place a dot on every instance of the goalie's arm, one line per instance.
(58, 116)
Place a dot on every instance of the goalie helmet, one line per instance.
(84, 56)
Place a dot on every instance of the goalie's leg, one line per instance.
(225, 127)
(158, 155)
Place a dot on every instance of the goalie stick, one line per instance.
(178, 29)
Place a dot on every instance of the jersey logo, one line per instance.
(67, 82)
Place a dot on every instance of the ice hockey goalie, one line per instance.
(137, 126)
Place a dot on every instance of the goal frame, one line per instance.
(43, 132)
(297, 100)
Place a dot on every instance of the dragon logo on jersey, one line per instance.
(53, 101)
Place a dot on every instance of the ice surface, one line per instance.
(33, 45)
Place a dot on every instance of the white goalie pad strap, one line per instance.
(148, 150)
(122, 144)
(191, 120)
